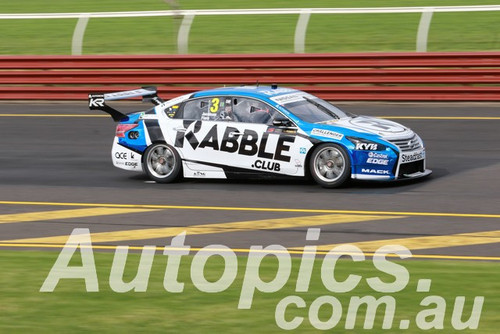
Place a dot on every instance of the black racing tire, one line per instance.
(162, 163)
(330, 165)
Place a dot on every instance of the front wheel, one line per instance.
(162, 163)
(330, 165)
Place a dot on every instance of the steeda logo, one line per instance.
(430, 312)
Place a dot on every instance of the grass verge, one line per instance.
(470, 31)
(71, 309)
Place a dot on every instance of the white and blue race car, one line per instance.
(258, 131)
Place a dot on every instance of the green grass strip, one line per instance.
(469, 31)
(70, 308)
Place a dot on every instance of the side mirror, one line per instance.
(281, 120)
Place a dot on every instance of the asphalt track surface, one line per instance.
(56, 175)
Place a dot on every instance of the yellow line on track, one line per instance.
(429, 242)
(244, 226)
(65, 214)
(222, 208)
(298, 251)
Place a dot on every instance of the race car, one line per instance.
(258, 131)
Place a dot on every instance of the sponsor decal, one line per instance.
(233, 141)
(267, 165)
(415, 156)
(128, 93)
(126, 155)
(129, 159)
(375, 171)
(303, 150)
(96, 101)
(298, 164)
(366, 146)
(327, 133)
(289, 98)
(377, 161)
(149, 116)
(121, 155)
(378, 155)
(199, 174)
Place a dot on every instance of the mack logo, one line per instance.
(267, 165)
(96, 102)
(375, 171)
(366, 146)
(233, 141)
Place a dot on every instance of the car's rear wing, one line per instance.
(97, 101)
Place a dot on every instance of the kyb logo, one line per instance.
(233, 141)
(366, 146)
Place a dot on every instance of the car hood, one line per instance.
(377, 126)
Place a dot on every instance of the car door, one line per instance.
(262, 147)
(236, 135)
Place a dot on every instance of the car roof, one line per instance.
(260, 92)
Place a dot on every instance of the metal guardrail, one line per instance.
(300, 29)
(358, 76)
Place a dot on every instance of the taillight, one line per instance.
(122, 128)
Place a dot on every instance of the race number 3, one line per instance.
(215, 105)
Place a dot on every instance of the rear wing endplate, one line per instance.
(97, 101)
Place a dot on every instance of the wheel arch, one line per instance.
(147, 147)
(178, 174)
(307, 171)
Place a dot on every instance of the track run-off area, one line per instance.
(56, 175)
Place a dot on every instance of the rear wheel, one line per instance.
(162, 163)
(330, 165)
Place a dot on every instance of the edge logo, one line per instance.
(377, 161)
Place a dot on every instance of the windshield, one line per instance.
(312, 109)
